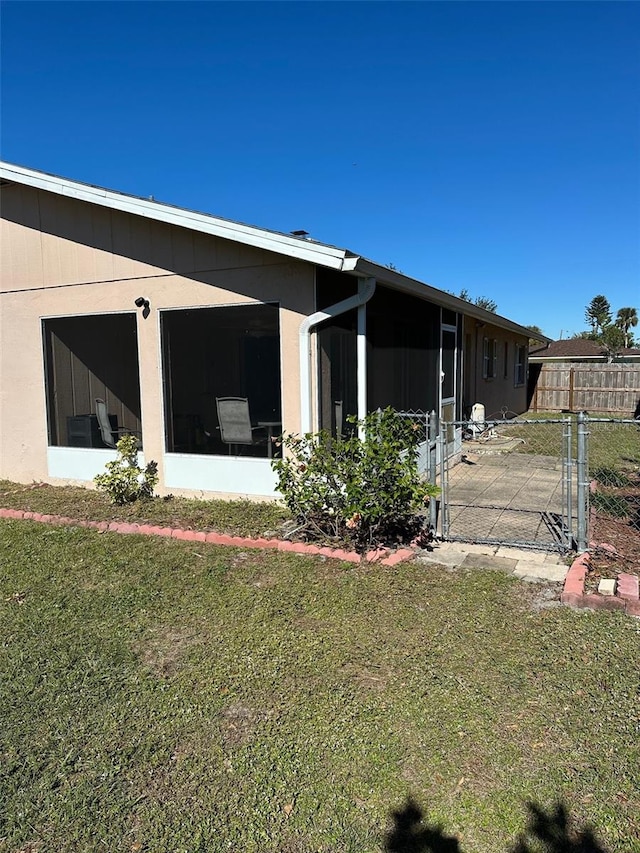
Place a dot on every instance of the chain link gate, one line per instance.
(554, 483)
(510, 482)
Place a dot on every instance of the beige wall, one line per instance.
(499, 392)
(62, 257)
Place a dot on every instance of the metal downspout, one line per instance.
(366, 289)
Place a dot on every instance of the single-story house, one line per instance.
(123, 313)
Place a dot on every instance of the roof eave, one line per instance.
(271, 241)
(290, 246)
(399, 281)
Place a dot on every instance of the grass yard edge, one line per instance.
(386, 556)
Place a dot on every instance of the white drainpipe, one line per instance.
(366, 289)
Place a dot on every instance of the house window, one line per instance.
(211, 353)
(489, 358)
(91, 361)
(506, 360)
(520, 365)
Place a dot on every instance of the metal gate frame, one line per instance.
(574, 501)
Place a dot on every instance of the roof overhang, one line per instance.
(298, 248)
(398, 281)
(260, 238)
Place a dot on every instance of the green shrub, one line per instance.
(125, 482)
(363, 491)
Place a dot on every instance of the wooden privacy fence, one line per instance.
(587, 387)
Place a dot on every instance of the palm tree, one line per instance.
(625, 319)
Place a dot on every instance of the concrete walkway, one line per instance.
(506, 497)
(533, 566)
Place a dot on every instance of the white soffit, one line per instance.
(271, 241)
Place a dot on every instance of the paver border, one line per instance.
(626, 599)
(384, 556)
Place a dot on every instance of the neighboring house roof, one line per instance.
(575, 349)
(297, 247)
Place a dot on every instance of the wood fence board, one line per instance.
(588, 387)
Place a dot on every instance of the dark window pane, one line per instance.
(89, 359)
(448, 364)
(213, 353)
(338, 373)
(403, 352)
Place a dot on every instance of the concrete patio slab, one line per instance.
(524, 564)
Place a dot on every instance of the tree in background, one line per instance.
(480, 301)
(625, 319)
(598, 314)
(536, 335)
(612, 339)
(487, 304)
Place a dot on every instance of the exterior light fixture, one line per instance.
(143, 303)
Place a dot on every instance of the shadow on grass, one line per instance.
(546, 832)
(410, 834)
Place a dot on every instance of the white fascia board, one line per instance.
(271, 241)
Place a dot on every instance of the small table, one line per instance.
(270, 426)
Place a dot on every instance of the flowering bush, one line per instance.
(364, 491)
(125, 482)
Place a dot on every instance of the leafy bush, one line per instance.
(125, 482)
(364, 491)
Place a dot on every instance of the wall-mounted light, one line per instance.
(143, 303)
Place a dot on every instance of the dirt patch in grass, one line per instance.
(375, 680)
(540, 596)
(237, 724)
(164, 651)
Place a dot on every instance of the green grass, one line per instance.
(238, 517)
(610, 445)
(165, 696)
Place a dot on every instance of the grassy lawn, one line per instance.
(164, 696)
(239, 517)
(611, 445)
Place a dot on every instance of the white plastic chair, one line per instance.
(109, 434)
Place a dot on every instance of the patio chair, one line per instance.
(109, 433)
(235, 423)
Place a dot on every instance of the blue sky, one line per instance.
(487, 146)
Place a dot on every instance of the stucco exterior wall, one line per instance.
(62, 257)
(499, 392)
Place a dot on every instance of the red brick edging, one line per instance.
(627, 597)
(385, 556)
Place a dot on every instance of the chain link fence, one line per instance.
(544, 482)
(614, 493)
(513, 482)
